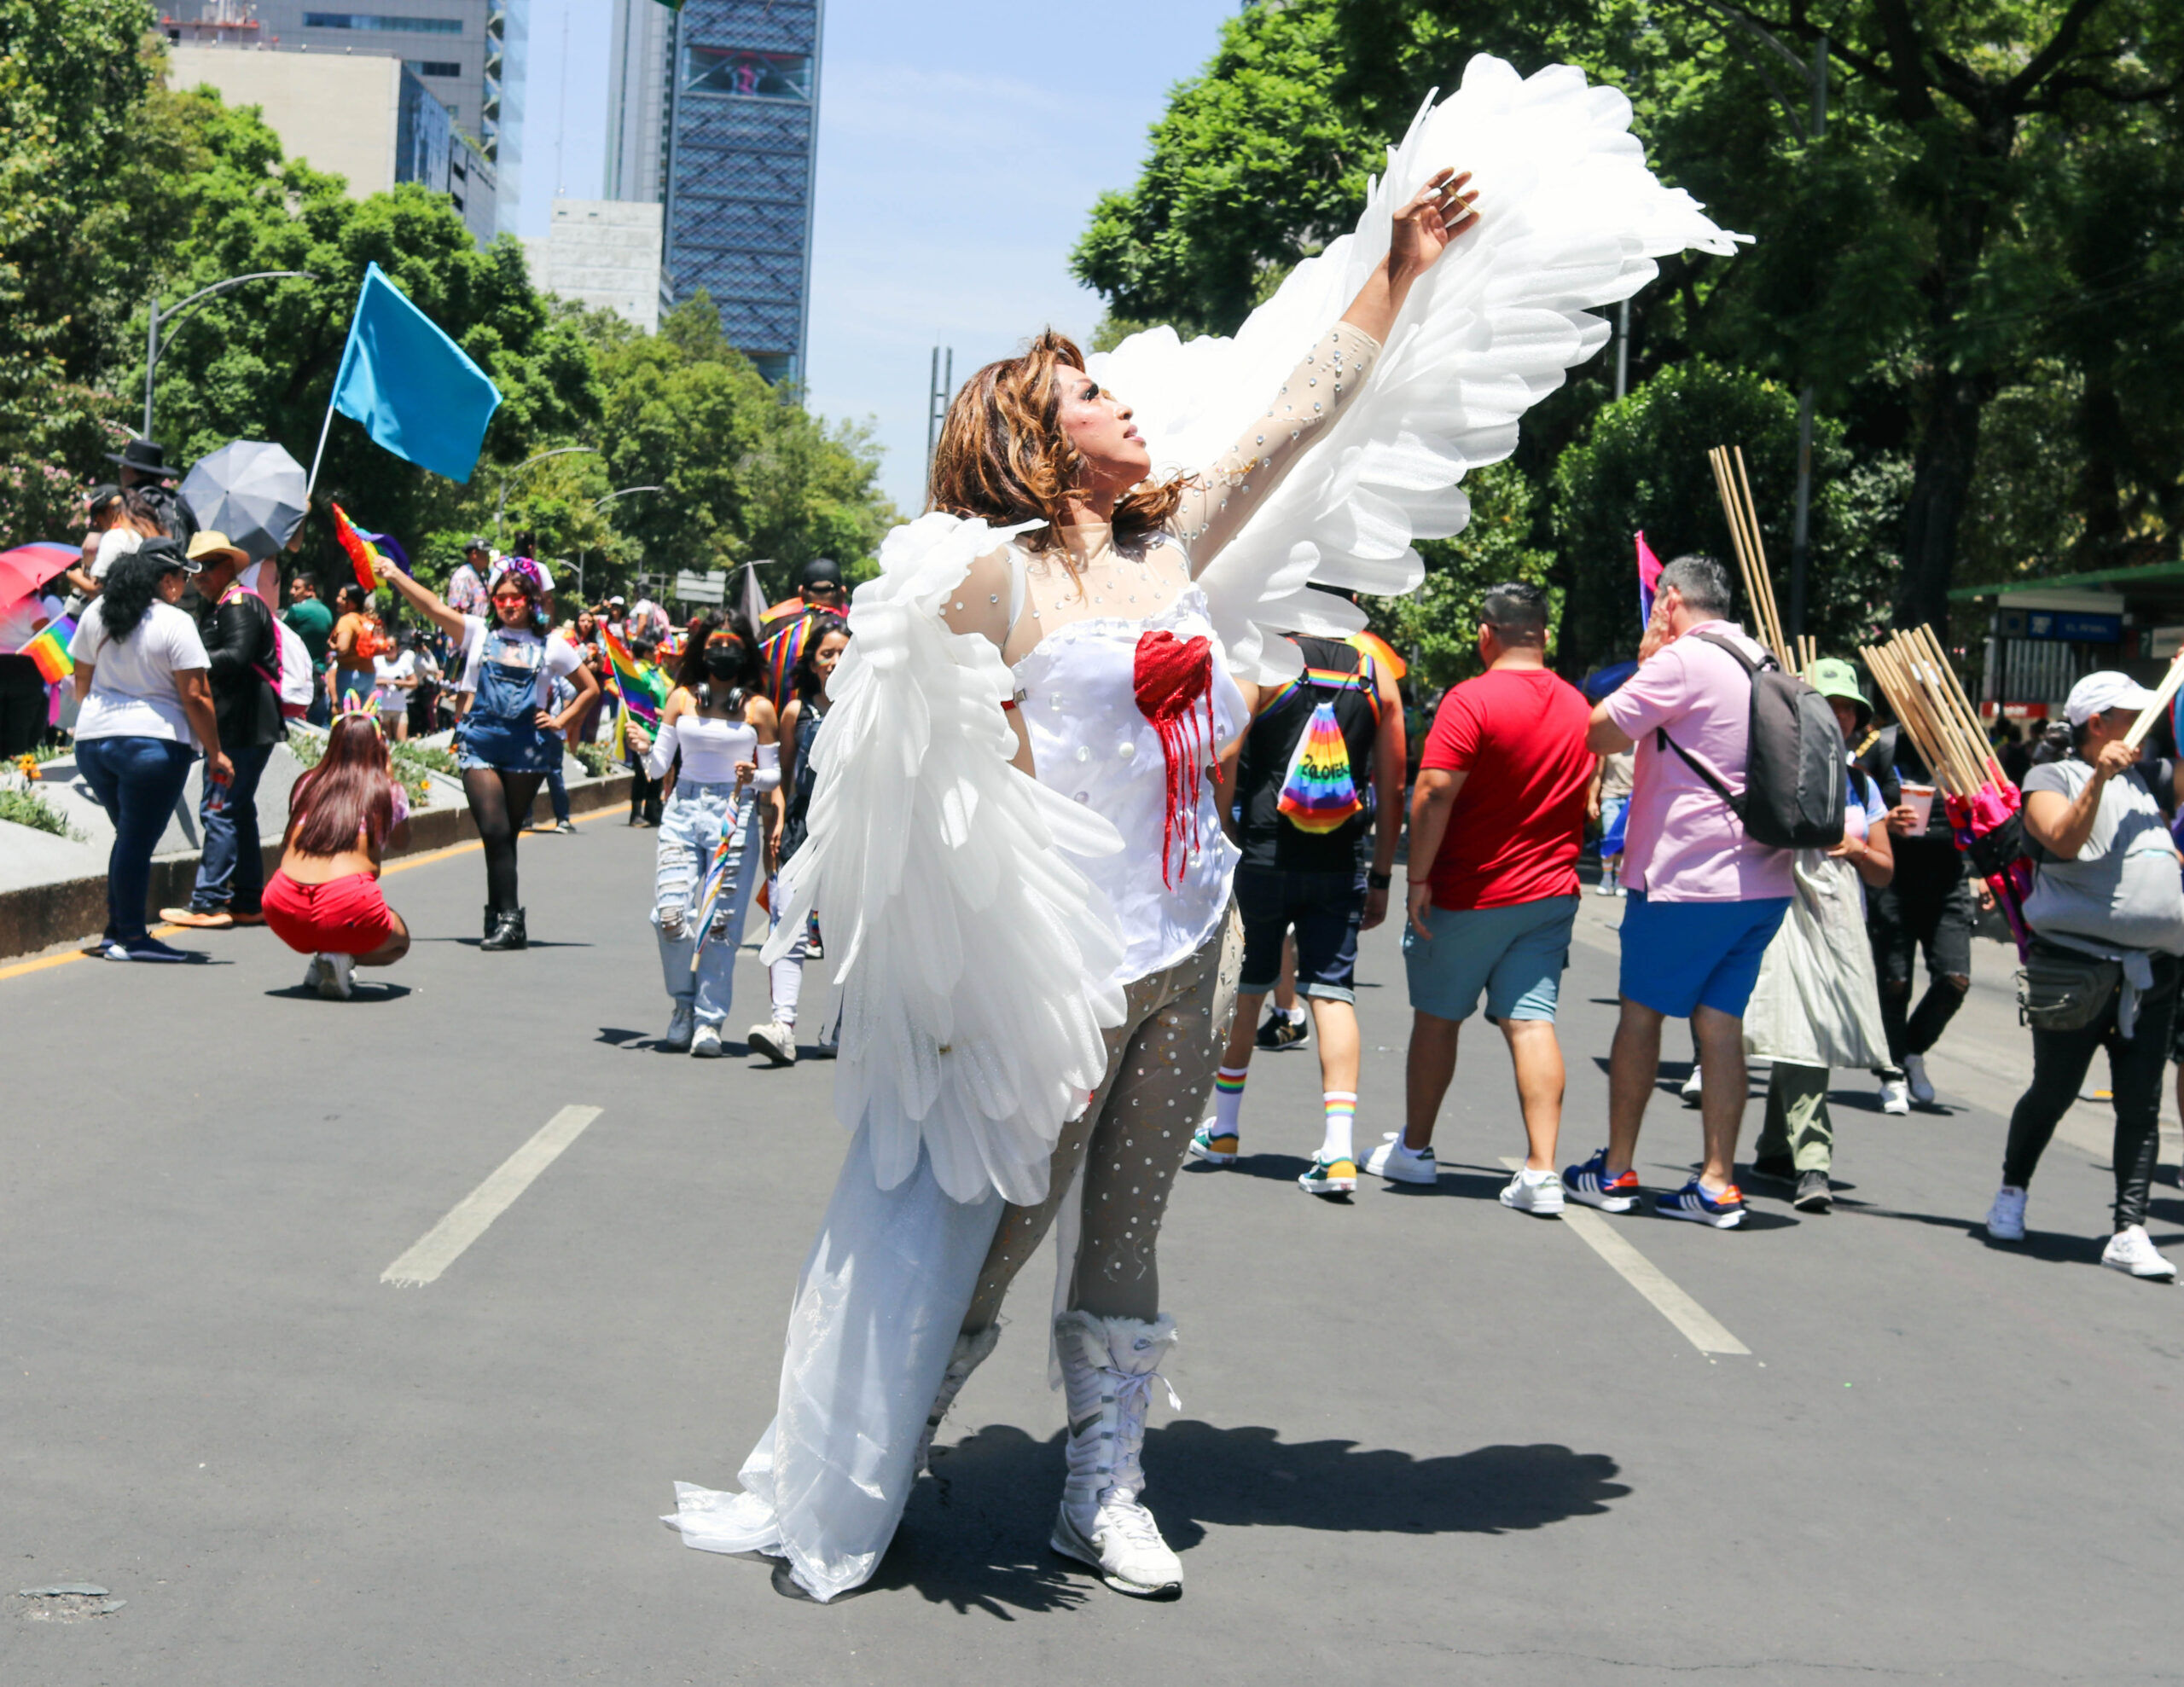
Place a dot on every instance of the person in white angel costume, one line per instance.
(1014, 830)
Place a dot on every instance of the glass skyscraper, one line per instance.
(742, 136)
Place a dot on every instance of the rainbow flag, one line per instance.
(1373, 644)
(781, 653)
(362, 556)
(1320, 796)
(1649, 577)
(643, 687)
(50, 650)
(721, 874)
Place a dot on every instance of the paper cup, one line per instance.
(1921, 799)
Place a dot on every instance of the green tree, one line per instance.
(1972, 206)
(1641, 465)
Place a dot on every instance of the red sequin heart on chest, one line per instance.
(1170, 677)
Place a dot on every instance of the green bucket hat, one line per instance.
(1831, 676)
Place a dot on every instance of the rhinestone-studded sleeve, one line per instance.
(1226, 492)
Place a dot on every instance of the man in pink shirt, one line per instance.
(1706, 900)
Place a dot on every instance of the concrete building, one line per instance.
(470, 55)
(742, 135)
(368, 118)
(636, 100)
(605, 253)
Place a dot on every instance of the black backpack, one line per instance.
(1794, 760)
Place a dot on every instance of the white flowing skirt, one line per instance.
(875, 1318)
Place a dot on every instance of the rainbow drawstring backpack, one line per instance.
(1320, 793)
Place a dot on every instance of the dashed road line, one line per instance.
(442, 1245)
(1700, 1327)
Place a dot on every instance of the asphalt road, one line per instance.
(1422, 1439)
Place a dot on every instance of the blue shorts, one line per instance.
(1678, 956)
(1325, 909)
(1614, 812)
(1514, 954)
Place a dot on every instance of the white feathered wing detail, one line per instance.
(1570, 217)
(973, 959)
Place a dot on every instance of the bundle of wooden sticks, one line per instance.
(1913, 673)
(1735, 488)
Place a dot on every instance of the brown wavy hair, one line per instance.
(1002, 454)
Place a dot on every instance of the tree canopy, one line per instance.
(1973, 262)
(119, 190)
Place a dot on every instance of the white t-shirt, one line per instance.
(115, 542)
(551, 658)
(20, 622)
(133, 692)
(388, 671)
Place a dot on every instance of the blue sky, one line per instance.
(961, 143)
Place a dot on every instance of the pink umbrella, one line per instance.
(27, 567)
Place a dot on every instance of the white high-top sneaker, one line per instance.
(969, 1353)
(1108, 1365)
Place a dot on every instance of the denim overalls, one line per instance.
(501, 729)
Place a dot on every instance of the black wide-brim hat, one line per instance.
(146, 457)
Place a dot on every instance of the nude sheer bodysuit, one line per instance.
(1130, 1141)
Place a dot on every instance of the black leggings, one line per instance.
(2135, 1070)
(500, 801)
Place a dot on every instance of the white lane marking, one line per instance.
(442, 1245)
(1703, 1330)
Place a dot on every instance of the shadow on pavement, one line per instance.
(975, 1537)
(359, 992)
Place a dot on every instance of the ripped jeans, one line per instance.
(690, 830)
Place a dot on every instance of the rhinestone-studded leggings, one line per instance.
(1129, 1140)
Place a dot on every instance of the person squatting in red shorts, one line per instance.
(325, 901)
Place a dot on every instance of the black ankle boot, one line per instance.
(508, 932)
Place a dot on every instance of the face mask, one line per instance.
(724, 662)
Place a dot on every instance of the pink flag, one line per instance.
(1649, 575)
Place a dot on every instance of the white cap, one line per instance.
(2097, 693)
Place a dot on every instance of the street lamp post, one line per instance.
(501, 504)
(601, 503)
(175, 312)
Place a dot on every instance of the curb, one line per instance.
(40, 917)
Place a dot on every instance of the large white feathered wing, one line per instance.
(1571, 217)
(975, 960)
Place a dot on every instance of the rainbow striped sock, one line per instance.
(1342, 1113)
(1227, 1098)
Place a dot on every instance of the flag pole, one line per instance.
(324, 427)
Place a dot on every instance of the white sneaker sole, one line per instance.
(1070, 1543)
(2161, 1273)
(1699, 1215)
(1607, 1204)
(1213, 1156)
(707, 1051)
(1327, 1186)
(1537, 1209)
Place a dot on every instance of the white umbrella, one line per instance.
(252, 490)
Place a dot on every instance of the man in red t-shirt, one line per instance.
(1496, 818)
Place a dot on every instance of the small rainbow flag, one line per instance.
(362, 556)
(1319, 796)
(722, 872)
(49, 650)
(642, 686)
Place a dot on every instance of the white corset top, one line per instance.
(712, 747)
(1091, 742)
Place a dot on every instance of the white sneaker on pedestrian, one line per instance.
(1606, 887)
(706, 1044)
(333, 972)
(1692, 1088)
(311, 972)
(1541, 1199)
(1894, 1096)
(681, 1024)
(774, 1040)
(1915, 1078)
(2131, 1250)
(2005, 1217)
(1398, 1164)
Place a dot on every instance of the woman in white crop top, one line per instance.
(719, 723)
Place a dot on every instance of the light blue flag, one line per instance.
(410, 386)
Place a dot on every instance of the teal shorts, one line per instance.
(1513, 956)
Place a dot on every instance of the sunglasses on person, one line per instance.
(510, 599)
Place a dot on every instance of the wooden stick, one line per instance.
(2154, 710)
(1915, 711)
(1981, 752)
(1759, 553)
(1969, 761)
(1756, 588)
